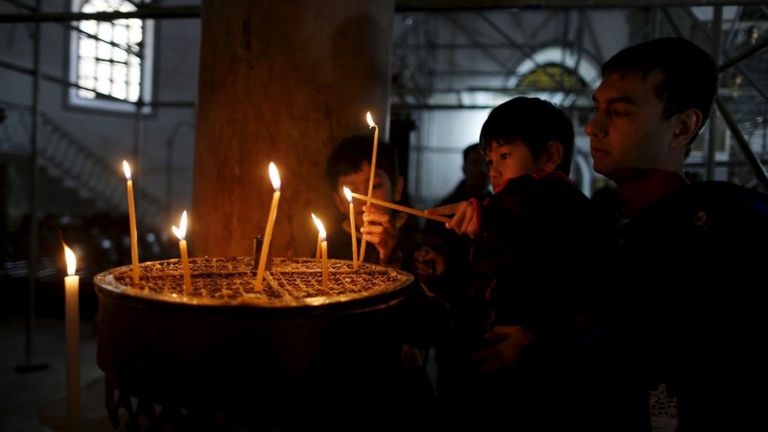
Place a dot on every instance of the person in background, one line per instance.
(384, 379)
(390, 235)
(443, 252)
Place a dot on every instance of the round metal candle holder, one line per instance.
(235, 359)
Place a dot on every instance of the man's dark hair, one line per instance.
(350, 154)
(690, 74)
(533, 122)
(468, 151)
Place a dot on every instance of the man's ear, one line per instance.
(551, 157)
(397, 188)
(686, 125)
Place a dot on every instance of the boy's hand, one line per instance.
(428, 263)
(466, 217)
(380, 230)
(507, 344)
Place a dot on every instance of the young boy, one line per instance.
(350, 165)
(514, 353)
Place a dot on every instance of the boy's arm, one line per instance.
(466, 216)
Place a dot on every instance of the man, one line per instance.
(678, 307)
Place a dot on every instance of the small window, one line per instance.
(111, 61)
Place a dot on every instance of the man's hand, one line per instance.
(465, 220)
(380, 230)
(507, 344)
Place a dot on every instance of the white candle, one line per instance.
(274, 176)
(369, 118)
(323, 248)
(181, 232)
(348, 194)
(72, 326)
(132, 219)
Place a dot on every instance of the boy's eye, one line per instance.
(488, 162)
(504, 156)
(377, 185)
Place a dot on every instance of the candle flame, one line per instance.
(348, 193)
(320, 227)
(127, 170)
(369, 119)
(181, 231)
(71, 260)
(274, 176)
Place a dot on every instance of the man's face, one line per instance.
(357, 182)
(627, 131)
(507, 161)
(476, 172)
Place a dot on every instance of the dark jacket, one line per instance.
(537, 235)
(685, 307)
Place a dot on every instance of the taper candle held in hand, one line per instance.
(72, 325)
(404, 209)
(348, 194)
(132, 220)
(181, 232)
(371, 124)
(323, 248)
(274, 176)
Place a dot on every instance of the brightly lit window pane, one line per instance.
(107, 61)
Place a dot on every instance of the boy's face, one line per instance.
(507, 161)
(357, 182)
(627, 131)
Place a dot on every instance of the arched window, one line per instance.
(558, 74)
(111, 61)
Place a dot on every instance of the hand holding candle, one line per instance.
(348, 194)
(181, 232)
(72, 325)
(274, 176)
(324, 248)
(371, 124)
(132, 219)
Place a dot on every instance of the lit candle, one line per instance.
(132, 218)
(318, 251)
(323, 248)
(369, 118)
(348, 194)
(72, 325)
(181, 232)
(274, 176)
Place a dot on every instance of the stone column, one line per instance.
(281, 81)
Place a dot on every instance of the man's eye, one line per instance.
(618, 113)
(594, 110)
(377, 185)
(488, 162)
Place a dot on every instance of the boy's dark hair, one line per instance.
(350, 154)
(533, 122)
(690, 73)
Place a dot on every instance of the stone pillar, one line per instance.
(281, 81)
